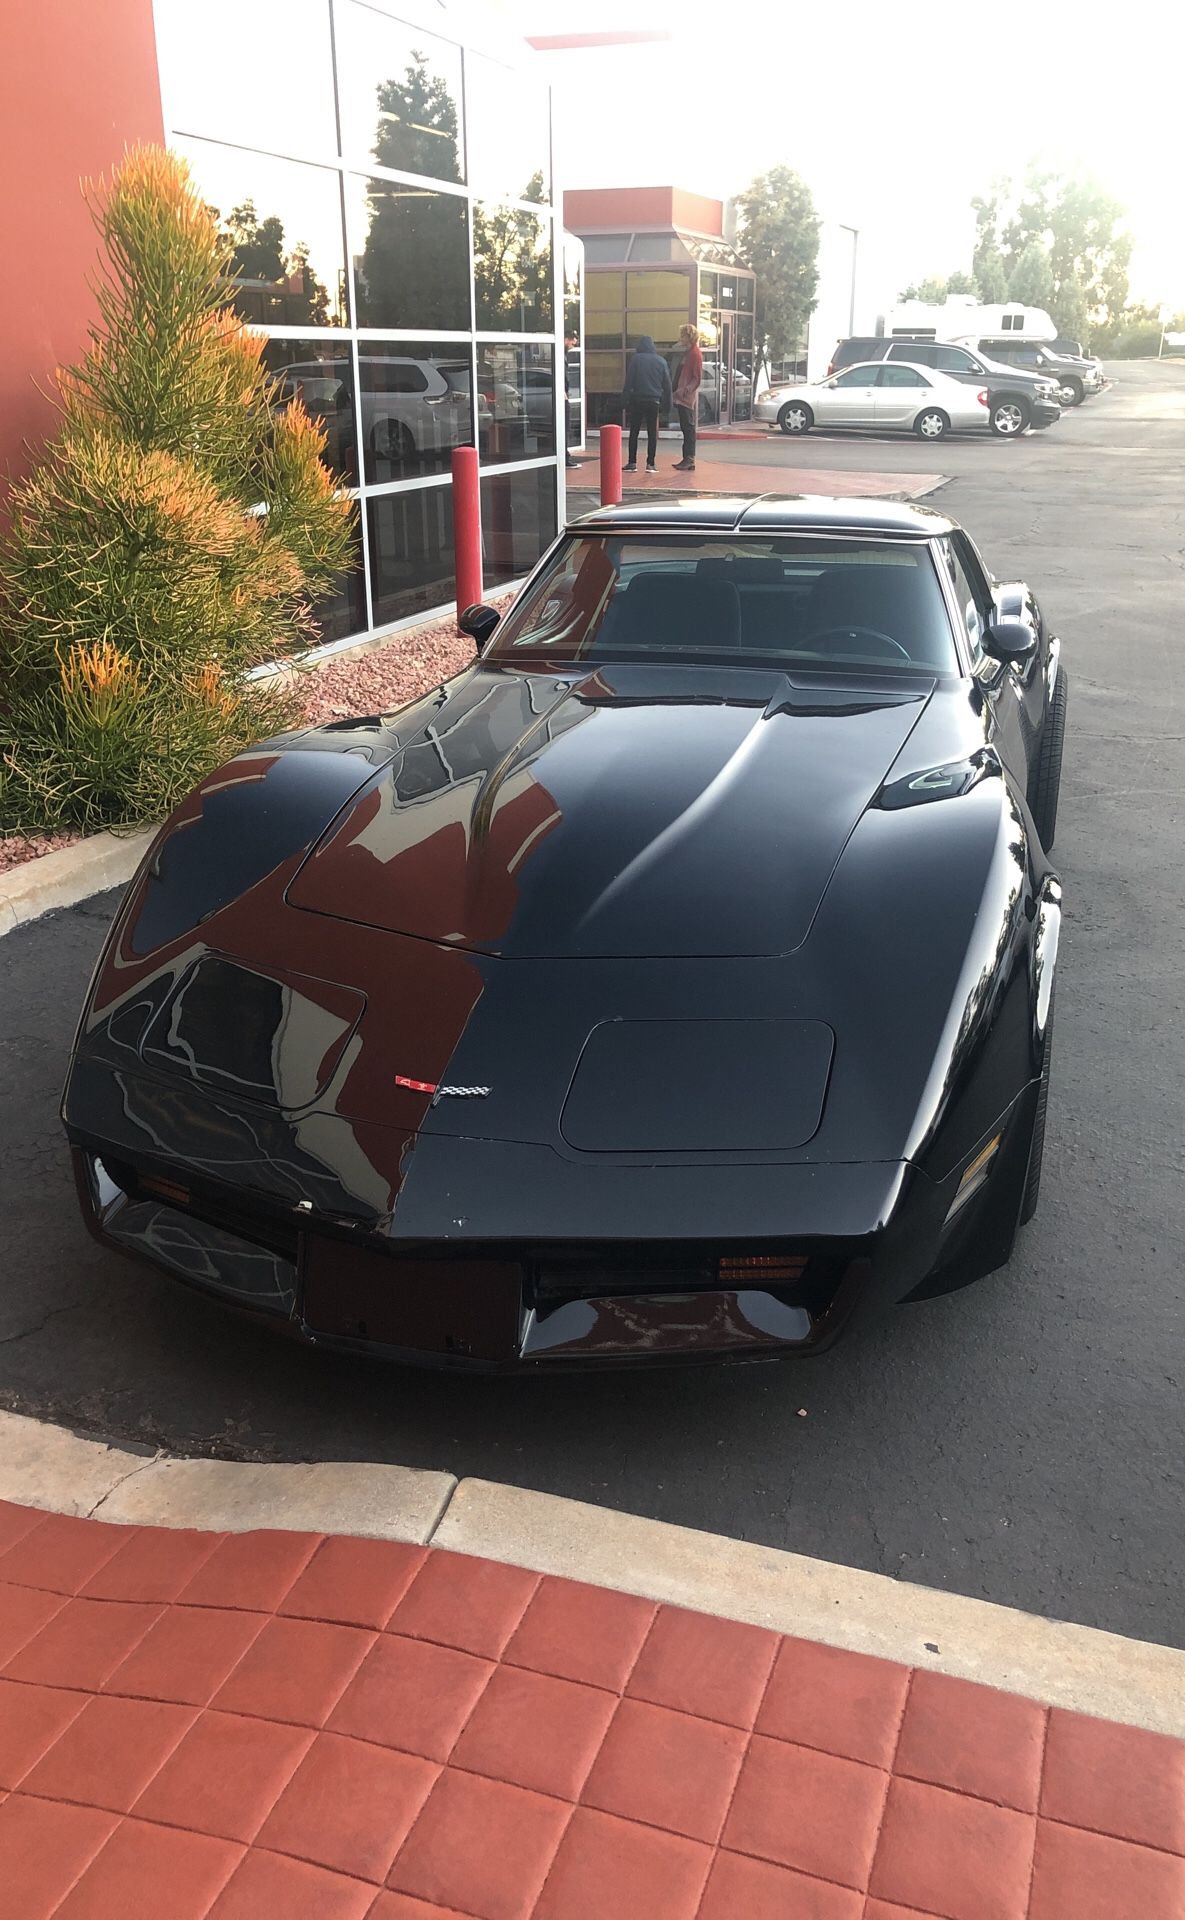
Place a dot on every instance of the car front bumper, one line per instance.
(563, 1294)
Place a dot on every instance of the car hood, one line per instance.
(638, 811)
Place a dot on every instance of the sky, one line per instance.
(894, 118)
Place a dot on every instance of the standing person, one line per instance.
(687, 386)
(647, 390)
(570, 342)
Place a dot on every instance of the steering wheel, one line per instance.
(867, 633)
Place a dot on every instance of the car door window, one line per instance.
(897, 376)
(856, 377)
(955, 360)
(970, 595)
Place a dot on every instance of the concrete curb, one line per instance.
(1049, 1660)
(71, 874)
(47, 1466)
(1063, 1665)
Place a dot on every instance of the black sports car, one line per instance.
(675, 981)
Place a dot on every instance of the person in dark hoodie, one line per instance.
(647, 391)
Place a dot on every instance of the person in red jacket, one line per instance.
(691, 372)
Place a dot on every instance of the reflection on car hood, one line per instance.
(637, 811)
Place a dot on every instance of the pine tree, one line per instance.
(175, 534)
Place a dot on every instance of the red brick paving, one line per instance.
(283, 1727)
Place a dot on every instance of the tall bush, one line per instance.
(176, 532)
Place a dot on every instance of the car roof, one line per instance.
(765, 513)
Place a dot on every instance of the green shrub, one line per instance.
(175, 534)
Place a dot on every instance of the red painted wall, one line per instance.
(620, 209)
(78, 84)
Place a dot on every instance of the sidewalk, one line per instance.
(759, 472)
(288, 1726)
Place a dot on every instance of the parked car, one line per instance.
(891, 396)
(410, 407)
(1016, 399)
(1076, 378)
(677, 980)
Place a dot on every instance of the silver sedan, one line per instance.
(892, 395)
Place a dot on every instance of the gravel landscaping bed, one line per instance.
(373, 682)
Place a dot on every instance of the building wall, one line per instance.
(78, 84)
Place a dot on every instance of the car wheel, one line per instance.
(1049, 765)
(390, 440)
(1009, 417)
(1032, 1192)
(796, 417)
(1071, 392)
(932, 424)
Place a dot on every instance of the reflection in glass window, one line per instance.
(665, 290)
(728, 290)
(284, 222)
(518, 521)
(508, 121)
(400, 92)
(742, 386)
(745, 292)
(320, 374)
(511, 270)
(572, 255)
(259, 75)
(663, 328)
(606, 246)
(412, 554)
(516, 402)
(417, 405)
(605, 372)
(342, 611)
(410, 251)
(655, 246)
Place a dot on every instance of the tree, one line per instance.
(414, 269)
(934, 291)
(511, 265)
(1077, 226)
(991, 281)
(417, 125)
(272, 284)
(778, 237)
(1069, 311)
(931, 292)
(176, 533)
(1030, 283)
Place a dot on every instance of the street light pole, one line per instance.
(855, 233)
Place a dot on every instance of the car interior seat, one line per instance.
(902, 601)
(670, 611)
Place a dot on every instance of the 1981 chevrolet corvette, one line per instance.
(676, 981)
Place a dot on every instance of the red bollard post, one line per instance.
(467, 526)
(610, 466)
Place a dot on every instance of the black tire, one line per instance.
(1032, 1192)
(931, 424)
(1010, 417)
(390, 440)
(796, 417)
(1047, 785)
(1071, 391)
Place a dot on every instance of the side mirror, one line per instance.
(1010, 641)
(479, 622)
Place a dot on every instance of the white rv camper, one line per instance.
(962, 317)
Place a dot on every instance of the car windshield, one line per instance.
(800, 599)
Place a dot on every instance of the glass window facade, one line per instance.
(388, 197)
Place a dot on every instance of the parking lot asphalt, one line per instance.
(1024, 1440)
